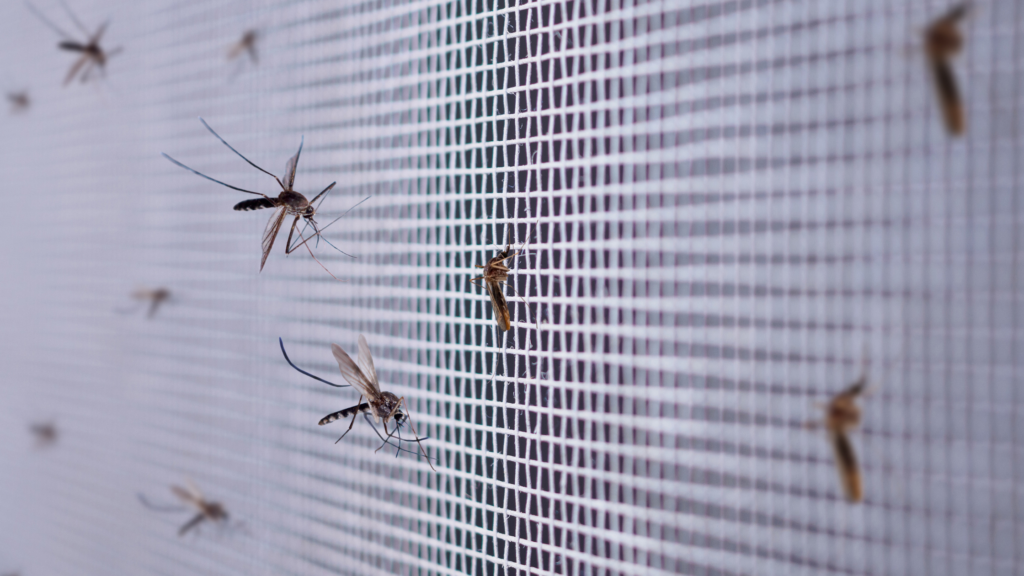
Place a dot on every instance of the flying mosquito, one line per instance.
(495, 272)
(246, 44)
(20, 101)
(92, 57)
(842, 415)
(192, 497)
(155, 297)
(943, 40)
(287, 203)
(45, 433)
(381, 405)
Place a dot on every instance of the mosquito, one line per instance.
(381, 405)
(92, 55)
(842, 415)
(943, 40)
(246, 44)
(288, 203)
(191, 497)
(155, 297)
(20, 101)
(45, 433)
(495, 272)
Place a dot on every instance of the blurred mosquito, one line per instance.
(155, 297)
(93, 56)
(494, 274)
(380, 405)
(943, 40)
(20, 101)
(45, 433)
(191, 497)
(842, 415)
(246, 44)
(287, 203)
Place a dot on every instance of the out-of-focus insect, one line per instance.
(943, 40)
(19, 101)
(246, 44)
(45, 433)
(288, 203)
(192, 498)
(155, 297)
(495, 272)
(92, 57)
(381, 405)
(842, 415)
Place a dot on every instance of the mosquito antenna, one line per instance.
(46, 21)
(156, 508)
(339, 249)
(289, 360)
(240, 154)
(74, 18)
(304, 240)
(198, 173)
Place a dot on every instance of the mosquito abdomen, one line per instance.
(343, 413)
(254, 204)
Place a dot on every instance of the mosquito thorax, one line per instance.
(296, 203)
(386, 405)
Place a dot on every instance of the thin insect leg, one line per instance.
(291, 232)
(370, 422)
(390, 416)
(198, 173)
(46, 21)
(317, 261)
(251, 163)
(287, 359)
(156, 508)
(419, 441)
(322, 192)
(74, 18)
(346, 212)
(353, 420)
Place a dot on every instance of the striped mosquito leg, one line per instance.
(364, 407)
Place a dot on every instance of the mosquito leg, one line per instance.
(418, 440)
(291, 232)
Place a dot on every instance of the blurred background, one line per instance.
(724, 211)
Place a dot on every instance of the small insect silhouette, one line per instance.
(192, 498)
(943, 40)
(495, 272)
(45, 433)
(155, 297)
(246, 44)
(842, 415)
(380, 405)
(19, 101)
(288, 203)
(93, 57)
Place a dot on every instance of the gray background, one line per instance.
(724, 209)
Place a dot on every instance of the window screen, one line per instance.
(722, 213)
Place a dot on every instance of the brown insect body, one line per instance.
(45, 433)
(287, 203)
(212, 511)
(19, 101)
(155, 297)
(495, 272)
(842, 415)
(246, 44)
(92, 54)
(943, 40)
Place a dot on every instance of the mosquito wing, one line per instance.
(95, 39)
(270, 234)
(366, 363)
(499, 304)
(354, 375)
(289, 168)
(186, 496)
(846, 465)
(949, 96)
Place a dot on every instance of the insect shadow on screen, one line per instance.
(365, 409)
(93, 56)
(287, 203)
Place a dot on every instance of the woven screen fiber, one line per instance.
(723, 213)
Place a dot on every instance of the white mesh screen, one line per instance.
(722, 210)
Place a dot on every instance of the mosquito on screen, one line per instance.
(495, 272)
(155, 297)
(45, 433)
(380, 405)
(19, 101)
(943, 40)
(246, 44)
(92, 54)
(191, 497)
(288, 203)
(842, 415)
